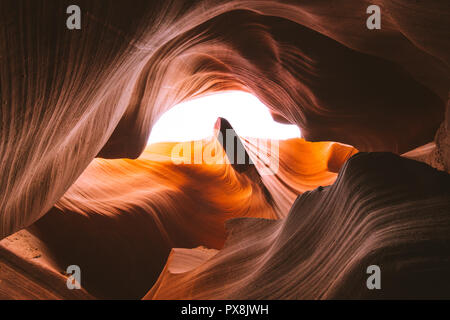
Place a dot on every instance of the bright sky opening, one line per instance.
(195, 119)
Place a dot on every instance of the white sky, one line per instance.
(195, 119)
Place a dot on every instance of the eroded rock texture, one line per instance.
(331, 235)
(70, 96)
(120, 219)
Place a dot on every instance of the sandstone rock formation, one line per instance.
(77, 108)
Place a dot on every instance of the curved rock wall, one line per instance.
(68, 96)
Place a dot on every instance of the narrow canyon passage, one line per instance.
(321, 147)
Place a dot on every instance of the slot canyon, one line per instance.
(366, 183)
